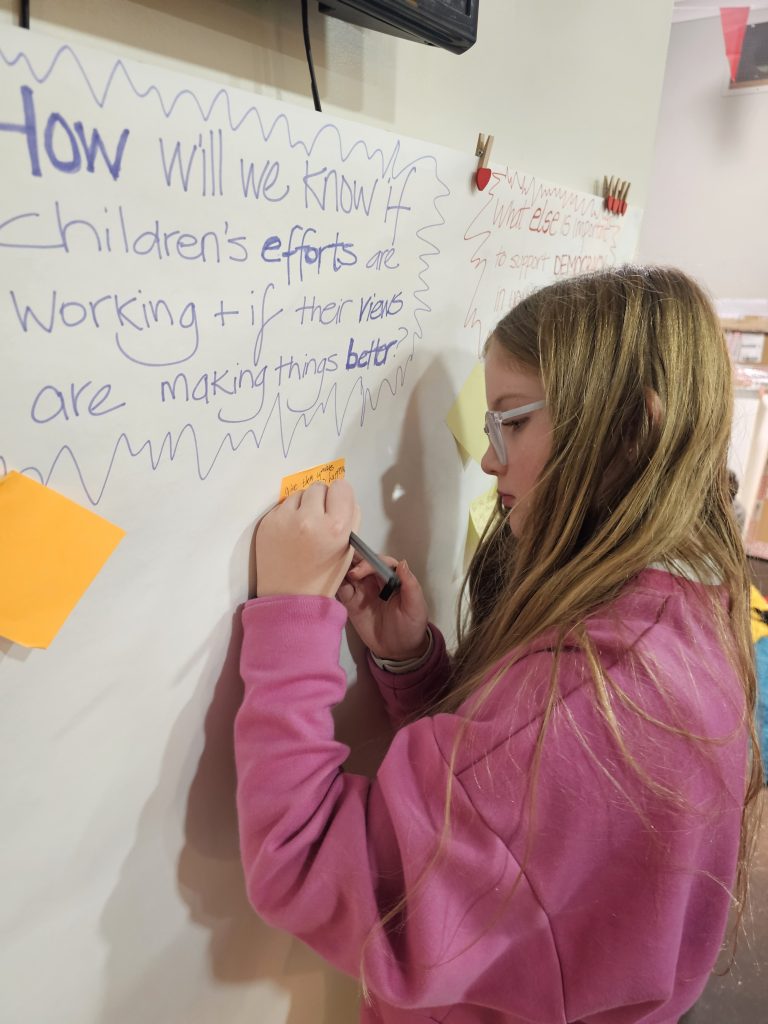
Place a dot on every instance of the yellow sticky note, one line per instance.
(327, 472)
(471, 543)
(50, 551)
(466, 416)
(480, 511)
(482, 508)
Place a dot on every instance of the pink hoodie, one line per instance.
(620, 906)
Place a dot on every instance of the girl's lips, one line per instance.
(507, 500)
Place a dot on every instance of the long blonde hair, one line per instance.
(622, 489)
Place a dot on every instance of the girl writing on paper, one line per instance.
(564, 816)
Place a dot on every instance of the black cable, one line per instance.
(24, 16)
(308, 48)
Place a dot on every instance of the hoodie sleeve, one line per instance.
(407, 694)
(327, 854)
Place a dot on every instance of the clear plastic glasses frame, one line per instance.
(494, 421)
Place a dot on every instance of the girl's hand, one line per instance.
(395, 629)
(302, 545)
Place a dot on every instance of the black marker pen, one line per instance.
(390, 577)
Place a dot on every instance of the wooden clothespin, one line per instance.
(623, 198)
(608, 184)
(483, 151)
(615, 194)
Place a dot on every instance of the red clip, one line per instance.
(615, 194)
(483, 151)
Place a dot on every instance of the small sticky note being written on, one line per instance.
(327, 472)
(50, 551)
(467, 415)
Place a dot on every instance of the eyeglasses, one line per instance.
(494, 420)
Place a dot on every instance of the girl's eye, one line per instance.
(516, 424)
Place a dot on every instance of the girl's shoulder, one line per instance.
(663, 643)
(656, 604)
(661, 623)
(660, 660)
(665, 614)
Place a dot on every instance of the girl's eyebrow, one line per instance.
(513, 399)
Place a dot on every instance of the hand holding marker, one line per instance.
(390, 577)
(326, 473)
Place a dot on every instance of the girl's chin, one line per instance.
(514, 519)
(508, 508)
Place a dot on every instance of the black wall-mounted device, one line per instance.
(449, 24)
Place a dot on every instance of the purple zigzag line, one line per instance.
(123, 441)
(401, 372)
(156, 455)
(305, 417)
(418, 294)
(401, 369)
(266, 135)
(170, 445)
(367, 395)
(223, 94)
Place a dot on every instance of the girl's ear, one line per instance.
(655, 413)
(653, 407)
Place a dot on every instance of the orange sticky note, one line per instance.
(327, 472)
(50, 551)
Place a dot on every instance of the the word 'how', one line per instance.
(67, 146)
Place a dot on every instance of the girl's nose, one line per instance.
(490, 462)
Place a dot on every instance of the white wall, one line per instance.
(708, 202)
(571, 92)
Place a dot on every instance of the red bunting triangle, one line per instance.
(734, 21)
